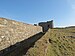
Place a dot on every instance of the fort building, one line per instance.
(12, 32)
(46, 25)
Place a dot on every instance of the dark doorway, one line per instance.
(43, 29)
(48, 26)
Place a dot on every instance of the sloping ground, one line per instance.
(22, 46)
(56, 42)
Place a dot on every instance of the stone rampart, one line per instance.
(12, 32)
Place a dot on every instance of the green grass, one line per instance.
(56, 42)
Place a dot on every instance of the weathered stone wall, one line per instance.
(46, 25)
(12, 32)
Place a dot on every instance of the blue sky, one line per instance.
(34, 11)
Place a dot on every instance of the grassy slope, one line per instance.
(56, 42)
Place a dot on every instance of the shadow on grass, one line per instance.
(20, 48)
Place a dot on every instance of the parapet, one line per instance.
(12, 32)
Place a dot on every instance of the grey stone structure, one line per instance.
(46, 25)
(12, 32)
(35, 24)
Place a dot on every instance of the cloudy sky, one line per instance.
(34, 11)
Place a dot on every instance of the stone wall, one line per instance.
(46, 25)
(12, 32)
